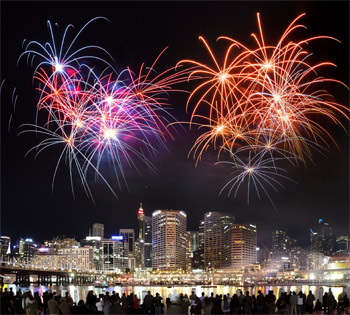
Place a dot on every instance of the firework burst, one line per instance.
(262, 100)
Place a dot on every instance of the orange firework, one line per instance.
(269, 90)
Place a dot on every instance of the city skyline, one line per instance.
(29, 207)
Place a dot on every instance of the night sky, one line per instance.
(138, 32)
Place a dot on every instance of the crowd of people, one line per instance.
(112, 303)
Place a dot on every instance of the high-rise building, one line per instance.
(327, 237)
(95, 243)
(115, 254)
(129, 239)
(147, 242)
(194, 239)
(188, 251)
(316, 241)
(240, 246)
(342, 244)
(198, 254)
(201, 235)
(214, 225)
(322, 238)
(5, 247)
(24, 250)
(98, 229)
(280, 242)
(169, 240)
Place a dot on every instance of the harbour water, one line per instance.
(80, 292)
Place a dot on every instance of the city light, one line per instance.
(117, 237)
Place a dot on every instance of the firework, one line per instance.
(96, 116)
(266, 101)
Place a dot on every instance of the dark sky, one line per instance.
(138, 32)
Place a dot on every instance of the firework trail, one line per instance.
(94, 116)
(265, 102)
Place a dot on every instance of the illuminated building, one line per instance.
(327, 237)
(342, 244)
(194, 240)
(5, 247)
(339, 262)
(115, 254)
(169, 240)
(240, 245)
(279, 242)
(129, 239)
(214, 225)
(61, 241)
(201, 235)
(95, 243)
(24, 250)
(315, 241)
(188, 251)
(46, 258)
(198, 252)
(147, 242)
(322, 238)
(81, 258)
(98, 229)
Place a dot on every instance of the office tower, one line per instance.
(316, 241)
(129, 239)
(5, 247)
(169, 240)
(188, 251)
(280, 242)
(194, 240)
(322, 238)
(198, 255)
(214, 225)
(147, 242)
(95, 243)
(98, 229)
(115, 254)
(240, 246)
(24, 250)
(327, 237)
(201, 235)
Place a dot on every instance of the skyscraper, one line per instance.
(327, 237)
(240, 245)
(322, 238)
(115, 254)
(169, 239)
(214, 225)
(98, 229)
(201, 235)
(147, 242)
(279, 242)
(5, 247)
(24, 250)
(129, 239)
